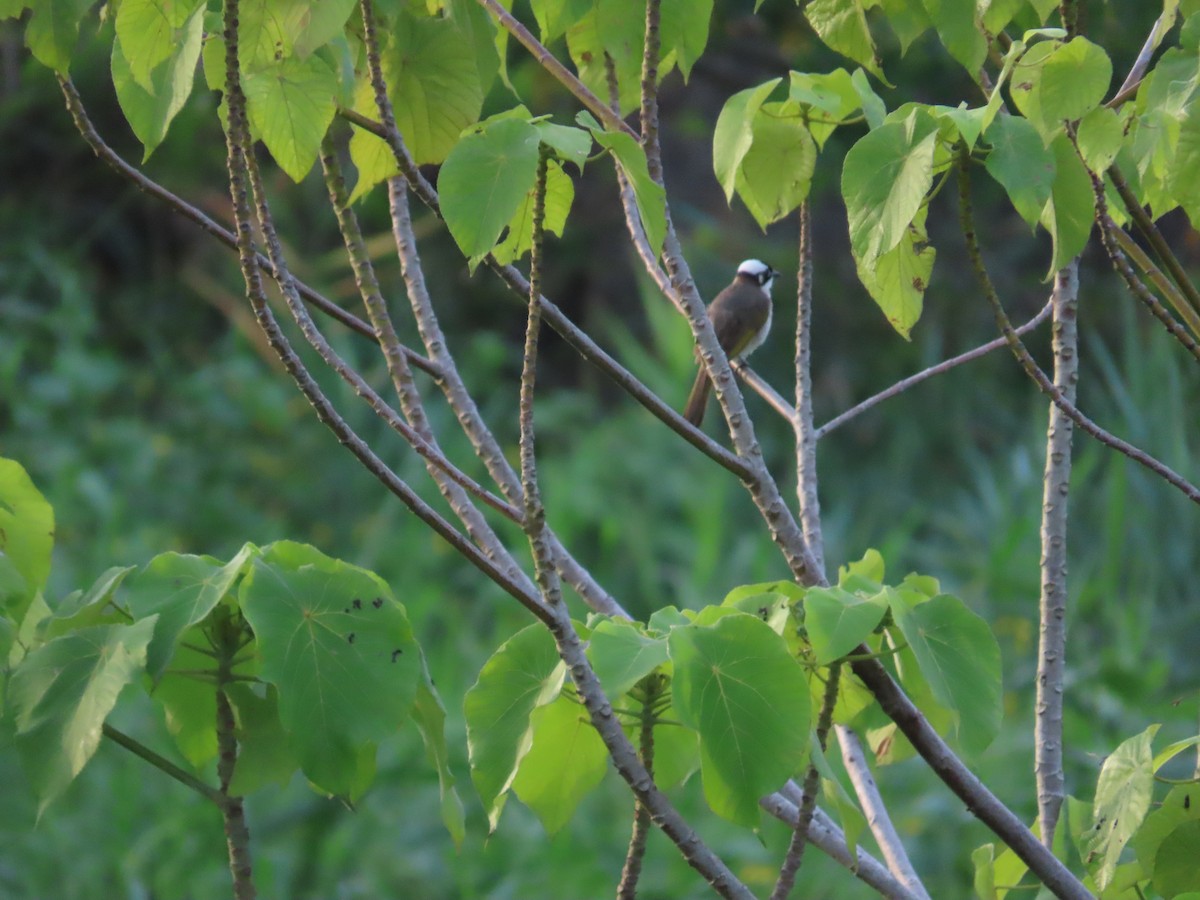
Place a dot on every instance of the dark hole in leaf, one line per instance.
(377, 602)
(357, 604)
(350, 637)
(396, 653)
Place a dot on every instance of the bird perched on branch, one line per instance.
(741, 317)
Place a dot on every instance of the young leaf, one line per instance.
(291, 105)
(622, 656)
(738, 686)
(264, 752)
(560, 194)
(181, 590)
(777, 170)
(433, 74)
(734, 133)
(1022, 164)
(53, 30)
(85, 608)
(1123, 794)
(565, 761)
(960, 659)
(484, 181)
(151, 31)
(1070, 213)
(838, 621)
(843, 27)
(149, 110)
(522, 675)
(340, 650)
(61, 694)
(26, 536)
(960, 33)
(650, 198)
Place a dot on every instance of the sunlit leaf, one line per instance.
(26, 535)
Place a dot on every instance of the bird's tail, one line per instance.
(698, 398)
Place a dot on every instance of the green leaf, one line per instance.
(898, 278)
(291, 105)
(560, 194)
(842, 25)
(571, 144)
(831, 95)
(776, 172)
(1060, 84)
(189, 702)
(83, 609)
(566, 761)
(181, 590)
(61, 694)
(664, 619)
(959, 657)
(885, 178)
(554, 17)
(984, 860)
(53, 30)
(1123, 794)
(1175, 862)
(150, 32)
(590, 41)
(789, 590)
(908, 20)
(1181, 805)
(622, 656)
(872, 104)
(960, 33)
(432, 71)
(264, 751)
(267, 31)
(149, 111)
(430, 717)
(26, 535)
(524, 674)
(734, 133)
(738, 686)
(340, 649)
(484, 181)
(325, 20)
(870, 568)
(838, 621)
(1022, 164)
(683, 33)
(676, 752)
(1070, 213)
(631, 157)
(1101, 134)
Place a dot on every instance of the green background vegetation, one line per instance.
(135, 391)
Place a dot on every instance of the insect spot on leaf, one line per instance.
(357, 604)
(918, 284)
(350, 637)
(377, 602)
(396, 653)
(1187, 801)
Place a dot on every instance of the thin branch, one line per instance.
(550, 63)
(802, 422)
(812, 778)
(1157, 278)
(651, 48)
(980, 801)
(535, 512)
(945, 366)
(1138, 70)
(233, 810)
(878, 818)
(248, 258)
(1031, 368)
(554, 317)
(632, 869)
(184, 777)
(825, 834)
(453, 486)
(102, 150)
(1052, 607)
(1161, 249)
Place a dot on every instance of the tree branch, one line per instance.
(878, 818)
(802, 421)
(1052, 638)
(1031, 368)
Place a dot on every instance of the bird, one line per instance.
(741, 317)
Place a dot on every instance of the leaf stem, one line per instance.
(137, 748)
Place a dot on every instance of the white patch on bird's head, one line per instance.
(759, 272)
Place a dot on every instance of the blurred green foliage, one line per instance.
(134, 393)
